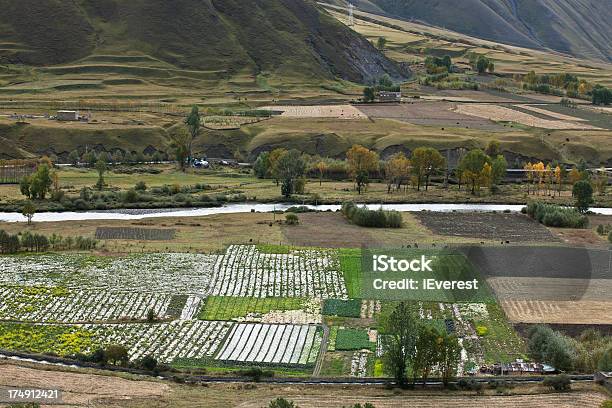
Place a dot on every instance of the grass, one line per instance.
(343, 308)
(353, 339)
(350, 264)
(230, 308)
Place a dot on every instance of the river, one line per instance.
(245, 208)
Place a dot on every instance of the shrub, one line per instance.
(557, 216)
(364, 217)
(282, 403)
(140, 186)
(482, 330)
(292, 219)
(558, 383)
(130, 196)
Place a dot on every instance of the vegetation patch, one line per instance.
(350, 265)
(139, 234)
(353, 339)
(556, 216)
(230, 308)
(364, 217)
(343, 308)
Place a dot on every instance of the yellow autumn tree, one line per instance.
(361, 161)
(397, 171)
(529, 173)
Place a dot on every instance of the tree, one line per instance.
(261, 167)
(482, 64)
(493, 148)
(500, 167)
(73, 157)
(426, 161)
(24, 186)
(101, 169)
(28, 211)
(471, 167)
(289, 167)
(362, 161)
(181, 143)
(193, 124)
(117, 354)
(602, 95)
(38, 184)
(89, 158)
(399, 341)
(369, 94)
(148, 363)
(397, 170)
(273, 158)
(427, 352)
(583, 194)
(321, 168)
(381, 43)
(449, 357)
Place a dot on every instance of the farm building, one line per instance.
(386, 96)
(67, 115)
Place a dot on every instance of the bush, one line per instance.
(558, 383)
(482, 331)
(364, 217)
(292, 219)
(140, 186)
(557, 216)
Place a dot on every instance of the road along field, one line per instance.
(505, 114)
(320, 111)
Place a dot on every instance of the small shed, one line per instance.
(67, 115)
(387, 96)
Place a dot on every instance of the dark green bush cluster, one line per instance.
(364, 217)
(558, 383)
(556, 216)
(11, 244)
(344, 308)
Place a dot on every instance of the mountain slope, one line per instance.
(577, 27)
(292, 37)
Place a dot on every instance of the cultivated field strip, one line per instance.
(79, 305)
(170, 273)
(245, 271)
(558, 312)
(319, 111)
(272, 344)
(166, 341)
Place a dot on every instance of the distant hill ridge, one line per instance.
(577, 27)
(292, 37)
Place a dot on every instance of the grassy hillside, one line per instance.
(222, 36)
(577, 27)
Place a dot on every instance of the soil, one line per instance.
(436, 113)
(489, 226)
(82, 389)
(580, 312)
(580, 237)
(327, 230)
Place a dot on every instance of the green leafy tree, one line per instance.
(261, 167)
(117, 354)
(288, 169)
(381, 43)
(28, 211)
(180, 144)
(399, 342)
(74, 157)
(449, 357)
(369, 94)
(427, 352)
(193, 124)
(471, 167)
(583, 194)
(38, 184)
(499, 169)
(101, 169)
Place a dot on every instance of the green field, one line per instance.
(230, 308)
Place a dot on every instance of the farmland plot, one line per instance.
(272, 344)
(503, 114)
(245, 271)
(29, 304)
(188, 339)
(320, 111)
(157, 273)
(140, 234)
